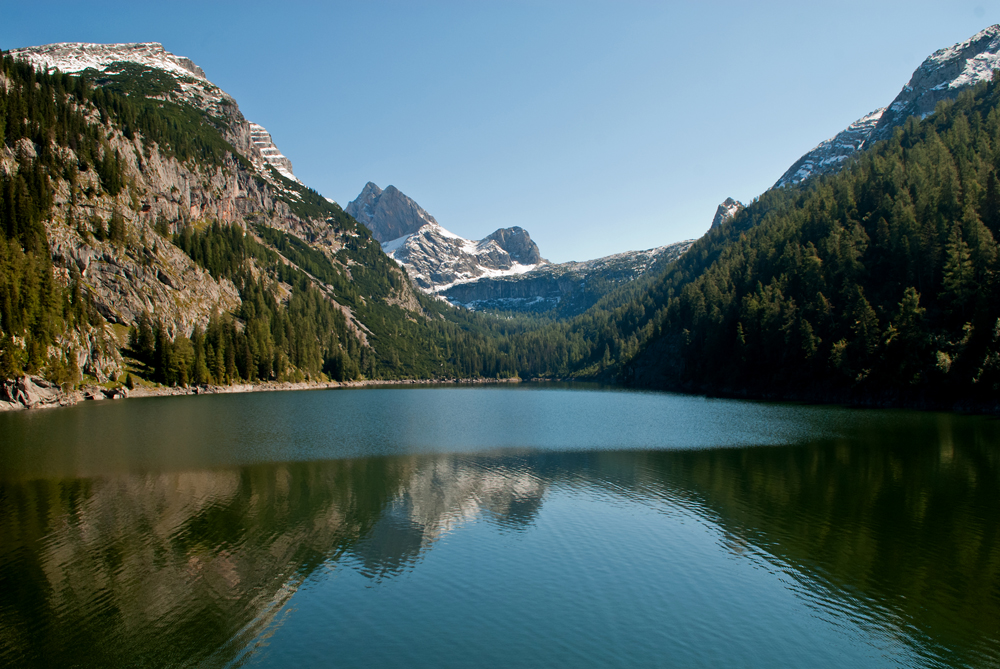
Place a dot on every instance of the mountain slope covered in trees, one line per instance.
(133, 228)
(879, 282)
(143, 235)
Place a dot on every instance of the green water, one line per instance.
(515, 526)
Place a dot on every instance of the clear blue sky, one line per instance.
(598, 126)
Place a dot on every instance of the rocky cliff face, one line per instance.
(388, 213)
(144, 271)
(517, 243)
(726, 211)
(262, 141)
(568, 289)
(942, 76)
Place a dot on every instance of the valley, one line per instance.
(183, 251)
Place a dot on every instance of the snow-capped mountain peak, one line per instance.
(436, 258)
(190, 86)
(72, 57)
(942, 76)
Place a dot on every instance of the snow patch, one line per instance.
(72, 57)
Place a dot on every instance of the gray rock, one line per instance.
(517, 243)
(942, 76)
(726, 211)
(30, 392)
(118, 393)
(163, 277)
(389, 214)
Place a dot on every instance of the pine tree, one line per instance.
(957, 274)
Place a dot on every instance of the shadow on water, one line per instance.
(891, 526)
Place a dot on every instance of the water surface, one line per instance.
(511, 526)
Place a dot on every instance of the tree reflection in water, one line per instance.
(194, 567)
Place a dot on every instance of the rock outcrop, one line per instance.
(30, 392)
(726, 211)
(517, 243)
(387, 213)
(261, 139)
(433, 257)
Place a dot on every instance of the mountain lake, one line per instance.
(496, 526)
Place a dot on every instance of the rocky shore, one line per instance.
(33, 392)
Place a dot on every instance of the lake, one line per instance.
(528, 526)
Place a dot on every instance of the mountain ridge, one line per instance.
(504, 270)
(433, 256)
(941, 76)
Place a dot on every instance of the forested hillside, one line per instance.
(295, 287)
(877, 283)
(136, 238)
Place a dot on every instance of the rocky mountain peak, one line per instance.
(388, 213)
(190, 86)
(370, 191)
(72, 57)
(517, 242)
(726, 211)
(942, 76)
(434, 257)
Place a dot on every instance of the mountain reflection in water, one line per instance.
(895, 535)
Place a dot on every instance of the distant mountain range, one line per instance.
(504, 270)
(434, 257)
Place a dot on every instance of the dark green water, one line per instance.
(496, 527)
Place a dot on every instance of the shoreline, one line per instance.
(886, 399)
(33, 393)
